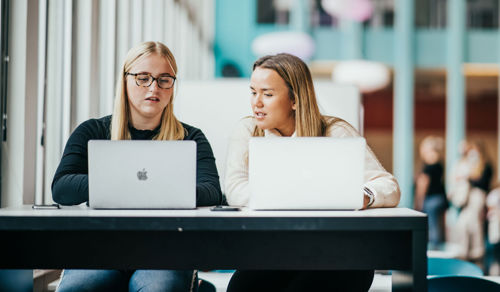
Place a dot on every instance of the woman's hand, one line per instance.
(366, 200)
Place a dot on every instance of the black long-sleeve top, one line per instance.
(70, 184)
(483, 182)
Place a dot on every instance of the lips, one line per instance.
(260, 115)
(153, 98)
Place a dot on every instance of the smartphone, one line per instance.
(46, 207)
(224, 208)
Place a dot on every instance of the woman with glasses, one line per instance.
(284, 104)
(143, 110)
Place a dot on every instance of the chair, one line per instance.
(461, 284)
(206, 286)
(16, 280)
(198, 100)
(452, 267)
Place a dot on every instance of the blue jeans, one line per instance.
(120, 280)
(434, 207)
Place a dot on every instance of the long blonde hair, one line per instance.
(308, 120)
(170, 127)
(479, 164)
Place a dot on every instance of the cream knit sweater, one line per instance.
(383, 184)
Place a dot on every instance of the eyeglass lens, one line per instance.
(146, 80)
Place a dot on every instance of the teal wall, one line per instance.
(236, 27)
(234, 30)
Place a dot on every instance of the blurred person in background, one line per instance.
(430, 195)
(493, 220)
(469, 185)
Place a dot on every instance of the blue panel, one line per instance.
(430, 48)
(379, 45)
(481, 46)
(234, 26)
(328, 43)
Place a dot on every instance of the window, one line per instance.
(482, 13)
(276, 11)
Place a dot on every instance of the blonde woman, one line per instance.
(284, 104)
(143, 111)
(470, 183)
(430, 195)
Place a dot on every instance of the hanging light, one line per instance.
(357, 10)
(368, 76)
(295, 43)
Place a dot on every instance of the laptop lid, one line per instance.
(142, 174)
(306, 173)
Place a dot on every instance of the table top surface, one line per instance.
(84, 211)
(24, 218)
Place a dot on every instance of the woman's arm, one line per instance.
(421, 185)
(380, 182)
(236, 176)
(70, 184)
(208, 191)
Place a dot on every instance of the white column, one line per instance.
(67, 73)
(54, 92)
(40, 133)
(107, 51)
(123, 29)
(30, 106)
(455, 81)
(136, 22)
(404, 99)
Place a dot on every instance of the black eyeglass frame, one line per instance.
(152, 79)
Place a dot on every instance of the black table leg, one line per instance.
(419, 263)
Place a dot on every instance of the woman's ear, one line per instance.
(294, 106)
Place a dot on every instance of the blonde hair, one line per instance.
(170, 127)
(436, 144)
(308, 120)
(477, 169)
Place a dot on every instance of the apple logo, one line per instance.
(142, 174)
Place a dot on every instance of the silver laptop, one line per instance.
(318, 173)
(142, 174)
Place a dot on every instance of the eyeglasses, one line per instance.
(146, 79)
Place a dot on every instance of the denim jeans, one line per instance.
(434, 207)
(120, 280)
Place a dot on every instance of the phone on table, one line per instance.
(224, 208)
(46, 207)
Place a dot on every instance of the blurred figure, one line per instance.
(469, 185)
(430, 195)
(493, 218)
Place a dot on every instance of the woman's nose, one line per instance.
(154, 85)
(257, 100)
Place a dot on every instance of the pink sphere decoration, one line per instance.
(357, 10)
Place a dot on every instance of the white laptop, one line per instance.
(317, 173)
(142, 174)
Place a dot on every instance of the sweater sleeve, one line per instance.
(70, 184)
(382, 184)
(236, 177)
(208, 190)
